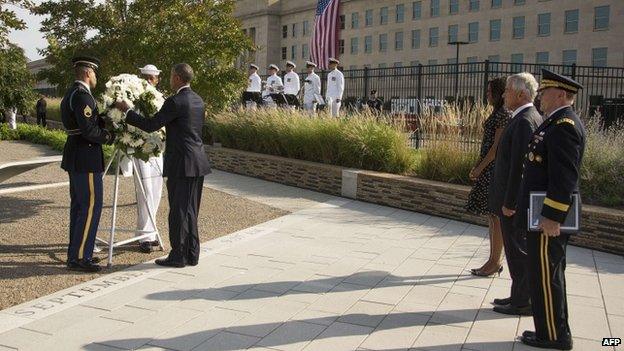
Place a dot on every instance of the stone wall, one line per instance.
(602, 227)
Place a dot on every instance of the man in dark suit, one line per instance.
(41, 108)
(552, 165)
(83, 160)
(520, 91)
(185, 162)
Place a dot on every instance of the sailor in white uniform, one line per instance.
(253, 94)
(312, 88)
(150, 173)
(292, 85)
(273, 87)
(335, 87)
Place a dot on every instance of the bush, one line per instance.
(602, 171)
(360, 141)
(446, 163)
(39, 135)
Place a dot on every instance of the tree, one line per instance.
(15, 78)
(127, 34)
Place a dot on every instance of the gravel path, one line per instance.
(34, 228)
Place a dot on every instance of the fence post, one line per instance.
(419, 86)
(365, 85)
(486, 78)
(573, 71)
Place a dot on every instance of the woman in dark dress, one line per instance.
(483, 171)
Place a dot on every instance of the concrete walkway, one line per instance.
(334, 275)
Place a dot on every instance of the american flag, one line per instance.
(325, 39)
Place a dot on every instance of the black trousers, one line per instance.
(86, 195)
(41, 119)
(252, 96)
(514, 241)
(546, 266)
(184, 200)
(292, 100)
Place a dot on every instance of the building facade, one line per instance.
(399, 33)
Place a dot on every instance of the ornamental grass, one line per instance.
(360, 141)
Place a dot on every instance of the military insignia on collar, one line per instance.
(565, 120)
(88, 112)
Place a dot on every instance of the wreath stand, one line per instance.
(117, 155)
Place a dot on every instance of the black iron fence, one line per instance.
(467, 82)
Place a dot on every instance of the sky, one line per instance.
(31, 38)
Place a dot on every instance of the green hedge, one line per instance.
(39, 135)
(359, 142)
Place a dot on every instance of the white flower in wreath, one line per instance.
(137, 143)
(125, 139)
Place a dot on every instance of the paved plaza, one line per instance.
(334, 274)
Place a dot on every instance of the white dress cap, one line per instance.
(150, 70)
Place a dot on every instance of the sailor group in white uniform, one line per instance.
(278, 93)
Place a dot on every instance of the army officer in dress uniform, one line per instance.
(84, 162)
(552, 164)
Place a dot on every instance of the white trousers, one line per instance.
(151, 175)
(333, 106)
(309, 106)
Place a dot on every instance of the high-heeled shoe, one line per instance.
(480, 273)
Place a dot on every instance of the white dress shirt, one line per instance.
(311, 88)
(272, 82)
(291, 83)
(335, 84)
(555, 111)
(255, 83)
(519, 109)
(182, 87)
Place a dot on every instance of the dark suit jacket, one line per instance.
(182, 115)
(505, 183)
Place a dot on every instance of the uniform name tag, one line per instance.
(288, 80)
(333, 78)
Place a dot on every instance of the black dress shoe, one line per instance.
(95, 260)
(192, 263)
(83, 266)
(547, 344)
(502, 302)
(513, 310)
(145, 247)
(528, 334)
(168, 263)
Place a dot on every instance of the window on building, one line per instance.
(433, 36)
(306, 28)
(355, 42)
(414, 63)
(397, 64)
(355, 20)
(518, 27)
(571, 21)
(435, 8)
(400, 13)
(542, 57)
(517, 60)
(543, 24)
(519, 2)
(432, 62)
(494, 62)
(284, 53)
(284, 31)
(293, 52)
(382, 65)
(398, 41)
(294, 30)
(305, 52)
(601, 17)
(368, 18)
(341, 48)
(495, 30)
(494, 58)
(368, 44)
(496, 4)
(568, 57)
(383, 15)
(383, 42)
(453, 7)
(453, 31)
(473, 32)
(472, 66)
(416, 10)
(599, 57)
(342, 21)
(473, 5)
(415, 38)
